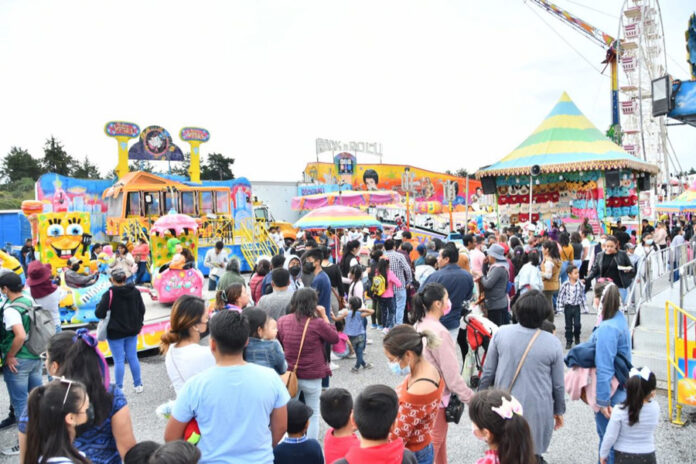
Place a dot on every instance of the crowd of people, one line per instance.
(325, 297)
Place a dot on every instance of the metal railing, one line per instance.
(682, 322)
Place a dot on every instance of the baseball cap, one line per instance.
(10, 280)
(298, 415)
(73, 260)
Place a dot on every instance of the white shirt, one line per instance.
(184, 363)
(51, 302)
(216, 262)
(11, 318)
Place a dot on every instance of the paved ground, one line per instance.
(575, 443)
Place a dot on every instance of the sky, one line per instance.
(441, 84)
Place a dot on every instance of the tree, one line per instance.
(461, 172)
(13, 193)
(217, 167)
(55, 158)
(692, 171)
(181, 168)
(19, 164)
(144, 166)
(86, 170)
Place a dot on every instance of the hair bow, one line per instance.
(508, 408)
(643, 372)
(84, 335)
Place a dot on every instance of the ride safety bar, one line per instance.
(677, 336)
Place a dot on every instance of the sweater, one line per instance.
(312, 363)
(127, 311)
(495, 284)
(416, 416)
(638, 438)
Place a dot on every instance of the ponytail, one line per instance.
(637, 390)
(515, 445)
(403, 338)
(424, 299)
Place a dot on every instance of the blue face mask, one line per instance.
(398, 370)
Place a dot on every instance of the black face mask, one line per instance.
(82, 428)
(308, 268)
(294, 271)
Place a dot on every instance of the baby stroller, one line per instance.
(479, 331)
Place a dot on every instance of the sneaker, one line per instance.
(569, 345)
(374, 326)
(385, 330)
(13, 451)
(368, 366)
(354, 370)
(334, 357)
(369, 341)
(334, 366)
(9, 421)
(577, 340)
(139, 389)
(380, 327)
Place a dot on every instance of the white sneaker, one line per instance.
(369, 341)
(139, 389)
(334, 366)
(334, 357)
(13, 451)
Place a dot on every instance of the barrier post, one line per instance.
(669, 364)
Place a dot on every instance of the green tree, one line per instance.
(461, 172)
(181, 168)
(13, 193)
(217, 167)
(56, 159)
(692, 171)
(86, 170)
(19, 164)
(144, 166)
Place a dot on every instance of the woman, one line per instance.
(294, 267)
(611, 338)
(263, 267)
(189, 259)
(231, 275)
(529, 277)
(109, 435)
(539, 385)
(56, 410)
(429, 305)
(349, 258)
(235, 298)
(614, 264)
(141, 253)
(495, 285)
(567, 254)
(648, 250)
(184, 357)
(550, 272)
(586, 249)
(420, 392)
(43, 291)
(334, 273)
(127, 314)
(263, 348)
(660, 235)
(124, 261)
(310, 320)
(576, 243)
(519, 259)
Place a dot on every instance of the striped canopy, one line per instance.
(347, 198)
(565, 141)
(684, 203)
(336, 217)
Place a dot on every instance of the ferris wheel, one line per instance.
(642, 54)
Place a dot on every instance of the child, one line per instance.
(141, 452)
(355, 329)
(496, 418)
(336, 408)
(343, 348)
(270, 331)
(571, 301)
(599, 288)
(387, 303)
(374, 413)
(263, 349)
(297, 448)
(631, 429)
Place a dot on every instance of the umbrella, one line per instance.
(336, 217)
(684, 203)
(347, 198)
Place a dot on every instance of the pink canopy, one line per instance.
(175, 222)
(345, 198)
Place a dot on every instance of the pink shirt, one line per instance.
(392, 281)
(340, 347)
(491, 457)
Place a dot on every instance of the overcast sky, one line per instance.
(442, 84)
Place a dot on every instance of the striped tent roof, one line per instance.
(684, 203)
(566, 141)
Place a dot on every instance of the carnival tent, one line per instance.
(346, 198)
(336, 217)
(684, 203)
(565, 141)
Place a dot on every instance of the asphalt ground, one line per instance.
(576, 442)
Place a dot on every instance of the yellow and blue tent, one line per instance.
(566, 141)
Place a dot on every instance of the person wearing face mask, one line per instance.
(184, 356)
(56, 410)
(294, 267)
(647, 249)
(614, 264)
(108, 436)
(430, 304)
(421, 391)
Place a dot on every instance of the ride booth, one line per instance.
(567, 170)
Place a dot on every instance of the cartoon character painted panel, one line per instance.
(62, 236)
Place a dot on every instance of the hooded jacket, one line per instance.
(127, 311)
(393, 452)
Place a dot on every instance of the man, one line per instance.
(622, 237)
(465, 252)
(277, 302)
(276, 263)
(459, 284)
(423, 271)
(476, 256)
(96, 249)
(408, 238)
(215, 260)
(233, 402)
(320, 282)
(76, 280)
(402, 269)
(646, 228)
(27, 254)
(21, 368)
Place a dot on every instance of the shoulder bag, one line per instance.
(289, 378)
(524, 357)
(104, 323)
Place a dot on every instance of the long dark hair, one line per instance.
(187, 311)
(519, 259)
(304, 303)
(257, 320)
(424, 299)
(348, 256)
(611, 301)
(47, 433)
(228, 295)
(552, 248)
(564, 239)
(514, 440)
(637, 389)
(383, 267)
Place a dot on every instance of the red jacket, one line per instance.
(312, 365)
(389, 453)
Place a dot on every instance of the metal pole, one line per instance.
(531, 186)
(408, 212)
(450, 216)
(466, 204)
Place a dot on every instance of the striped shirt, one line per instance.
(571, 294)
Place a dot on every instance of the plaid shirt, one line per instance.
(571, 294)
(399, 266)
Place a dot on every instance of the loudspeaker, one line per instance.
(488, 185)
(536, 170)
(613, 178)
(643, 183)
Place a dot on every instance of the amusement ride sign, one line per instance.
(372, 148)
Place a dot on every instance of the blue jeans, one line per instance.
(142, 275)
(387, 308)
(400, 299)
(602, 422)
(311, 388)
(212, 283)
(358, 343)
(426, 455)
(122, 349)
(624, 293)
(19, 384)
(564, 274)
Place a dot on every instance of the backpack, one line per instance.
(41, 326)
(379, 285)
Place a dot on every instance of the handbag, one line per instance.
(104, 323)
(454, 409)
(524, 356)
(289, 378)
(339, 298)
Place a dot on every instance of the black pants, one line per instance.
(572, 322)
(631, 458)
(499, 316)
(584, 268)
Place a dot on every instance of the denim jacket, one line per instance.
(266, 353)
(611, 337)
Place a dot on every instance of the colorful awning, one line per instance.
(566, 141)
(337, 217)
(346, 198)
(684, 203)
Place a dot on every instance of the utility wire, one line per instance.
(593, 9)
